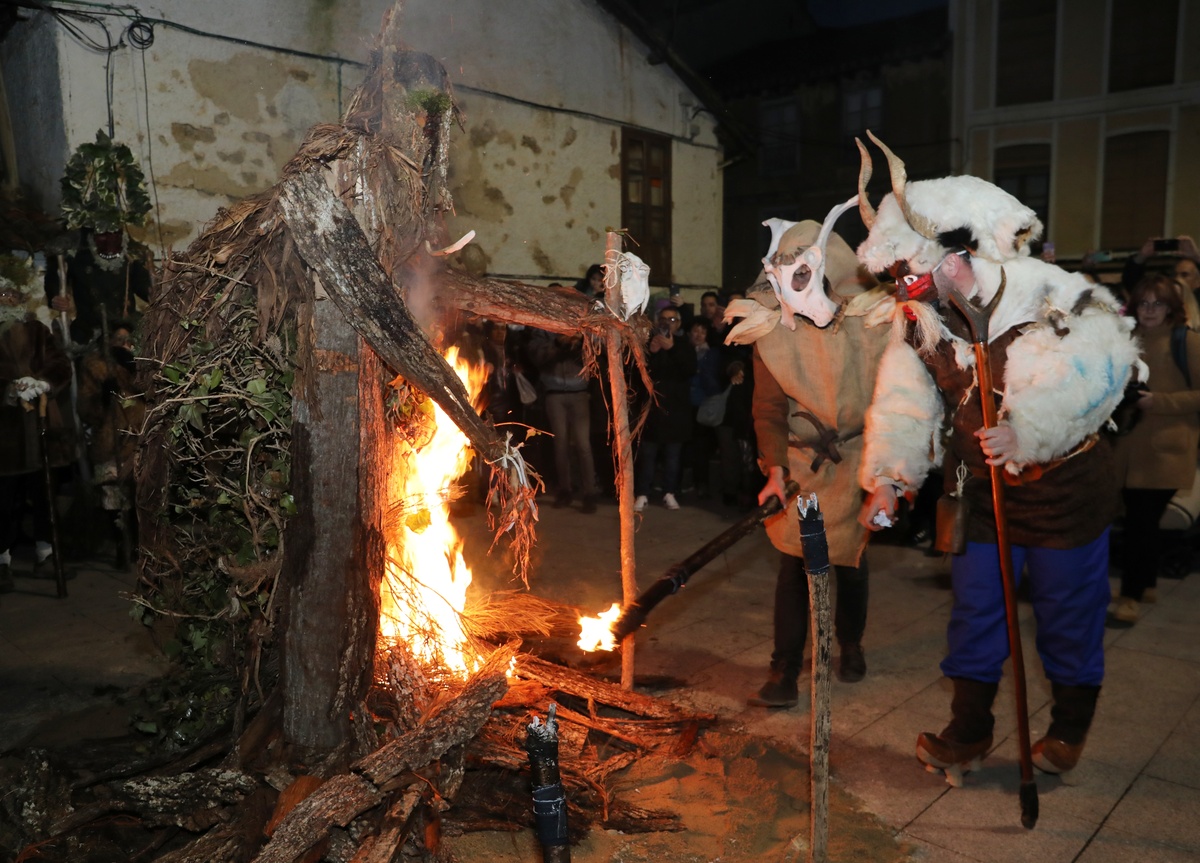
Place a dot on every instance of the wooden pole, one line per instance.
(816, 565)
(624, 448)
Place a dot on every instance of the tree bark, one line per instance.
(334, 246)
(327, 643)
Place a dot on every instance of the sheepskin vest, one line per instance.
(1067, 506)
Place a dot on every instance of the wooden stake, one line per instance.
(624, 448)
(815, 548)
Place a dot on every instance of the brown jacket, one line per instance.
(109, 403)
(1160, 452)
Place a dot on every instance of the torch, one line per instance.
(549, 798)
(634, 615)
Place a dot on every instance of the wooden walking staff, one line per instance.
(977, 319)
(815, 549)
(624, 448)
(60, 576)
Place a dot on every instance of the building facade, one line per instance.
(567, 128)
(808, 107)
(1088, 111)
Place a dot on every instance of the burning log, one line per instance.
(331, 242)
(344, 797)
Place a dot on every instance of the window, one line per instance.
(1135, 189)
(646, 199)
(862, 109)
(1023, 171)
(1141, 50)
(1025, 37)
(779, 136)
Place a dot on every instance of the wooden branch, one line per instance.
(557, 310)
(333, 245)
(575, 683)
(337, 802)
(382, 847)
(348, 795)
(458, 720)
(234, 840)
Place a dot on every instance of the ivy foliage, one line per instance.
(103, 187)
(227, 408)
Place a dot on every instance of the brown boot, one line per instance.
(952, 758)
(968, 737)
(1070, 718)
(1051, 755)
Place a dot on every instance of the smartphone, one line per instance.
(675, 292)
(1170, 244)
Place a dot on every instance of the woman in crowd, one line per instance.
(1158, 456)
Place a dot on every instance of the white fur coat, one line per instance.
(1065, 372)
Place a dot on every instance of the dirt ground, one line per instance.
(739, 798)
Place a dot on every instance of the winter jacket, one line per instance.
(1160, 451)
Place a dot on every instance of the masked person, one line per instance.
(32, 366)
(1060, 357)
(814, 371)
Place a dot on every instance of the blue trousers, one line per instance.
(1069, 591)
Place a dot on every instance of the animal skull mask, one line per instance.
(798, 276)
(634, 277)
(920, 222)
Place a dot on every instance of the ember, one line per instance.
(425, 581)
(596, 632)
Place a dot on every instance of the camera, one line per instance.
(1170, 244)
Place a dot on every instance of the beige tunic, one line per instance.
(829, 374)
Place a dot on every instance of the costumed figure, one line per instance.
(103, 194)
(32, 366)
(112, 407)
(1060, 358)
(815, 359)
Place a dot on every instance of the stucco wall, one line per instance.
(545, 86)
(36, 117)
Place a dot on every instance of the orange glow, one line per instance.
(595, 633)
(425, 579)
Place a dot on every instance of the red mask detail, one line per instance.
(920, 288)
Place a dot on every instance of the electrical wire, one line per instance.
(162, 247)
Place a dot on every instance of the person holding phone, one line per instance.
(1185, 265)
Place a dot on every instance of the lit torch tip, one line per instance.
(596, 633)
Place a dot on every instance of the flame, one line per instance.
(595, 633)
(425, 578)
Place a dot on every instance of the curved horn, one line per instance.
(920, 224)
(864, 176)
